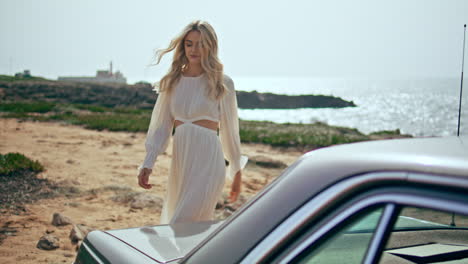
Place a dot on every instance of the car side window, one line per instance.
(348, 244)
(426, 236)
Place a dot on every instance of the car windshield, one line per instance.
(422, 218)
(414, 219)
(421, 235)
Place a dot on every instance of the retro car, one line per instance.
(387, 201)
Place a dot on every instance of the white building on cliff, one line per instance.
(102, 76)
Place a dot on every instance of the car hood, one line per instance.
(165, 243)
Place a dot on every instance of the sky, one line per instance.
(382, 39)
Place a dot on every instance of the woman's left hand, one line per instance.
(236, 187)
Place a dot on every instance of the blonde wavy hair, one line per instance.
(211, 65)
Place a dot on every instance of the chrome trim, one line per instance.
(451, 181)
(386, 221)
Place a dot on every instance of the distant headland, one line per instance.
(141, 95)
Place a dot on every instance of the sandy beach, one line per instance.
(96, 163)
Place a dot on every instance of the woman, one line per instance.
(196, 98)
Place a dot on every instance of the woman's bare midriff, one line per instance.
(203, 122)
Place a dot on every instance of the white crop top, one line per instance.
(189, 101)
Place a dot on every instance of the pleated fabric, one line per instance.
(198, 171)
(197, 175)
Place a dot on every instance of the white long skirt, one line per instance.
(197, 175)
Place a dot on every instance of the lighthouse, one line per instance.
(102, 76)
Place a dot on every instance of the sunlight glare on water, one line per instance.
(417, 107)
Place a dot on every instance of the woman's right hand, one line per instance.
(236, 187)
(143, 178)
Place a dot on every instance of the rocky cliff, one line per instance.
(141, 95)
(254, 99)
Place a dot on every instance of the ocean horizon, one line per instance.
(419, 107)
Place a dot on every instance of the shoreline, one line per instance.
(286, 135)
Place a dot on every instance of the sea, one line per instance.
(418, 107)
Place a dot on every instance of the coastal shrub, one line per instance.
(91, 108)
(11, 163)
(9, 78)
(45, 107)
(65, 116)
(307, 136)
(19, 183)
(387, 132)
(103, 109)
(16, 115)
(135, 111)
(26, 107)
(111, 122)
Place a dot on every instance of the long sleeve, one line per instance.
(159, 131)
(229, 129)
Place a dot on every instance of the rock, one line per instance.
(241, 200)
(50, 231)
(68, 182)
(48, 242)
(73, 204)
(143, 200)
(85, 229)
(229, 208)
(253, 100)
(220, 204)
(222, 201)
(68, 255)
(266, 162)
(227, 213)
(79, 232)
(60, 220)
(78, 245)
(75, 235)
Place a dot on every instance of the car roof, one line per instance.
(320, 168)
(436, 155)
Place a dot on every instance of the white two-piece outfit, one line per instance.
(198, 168)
